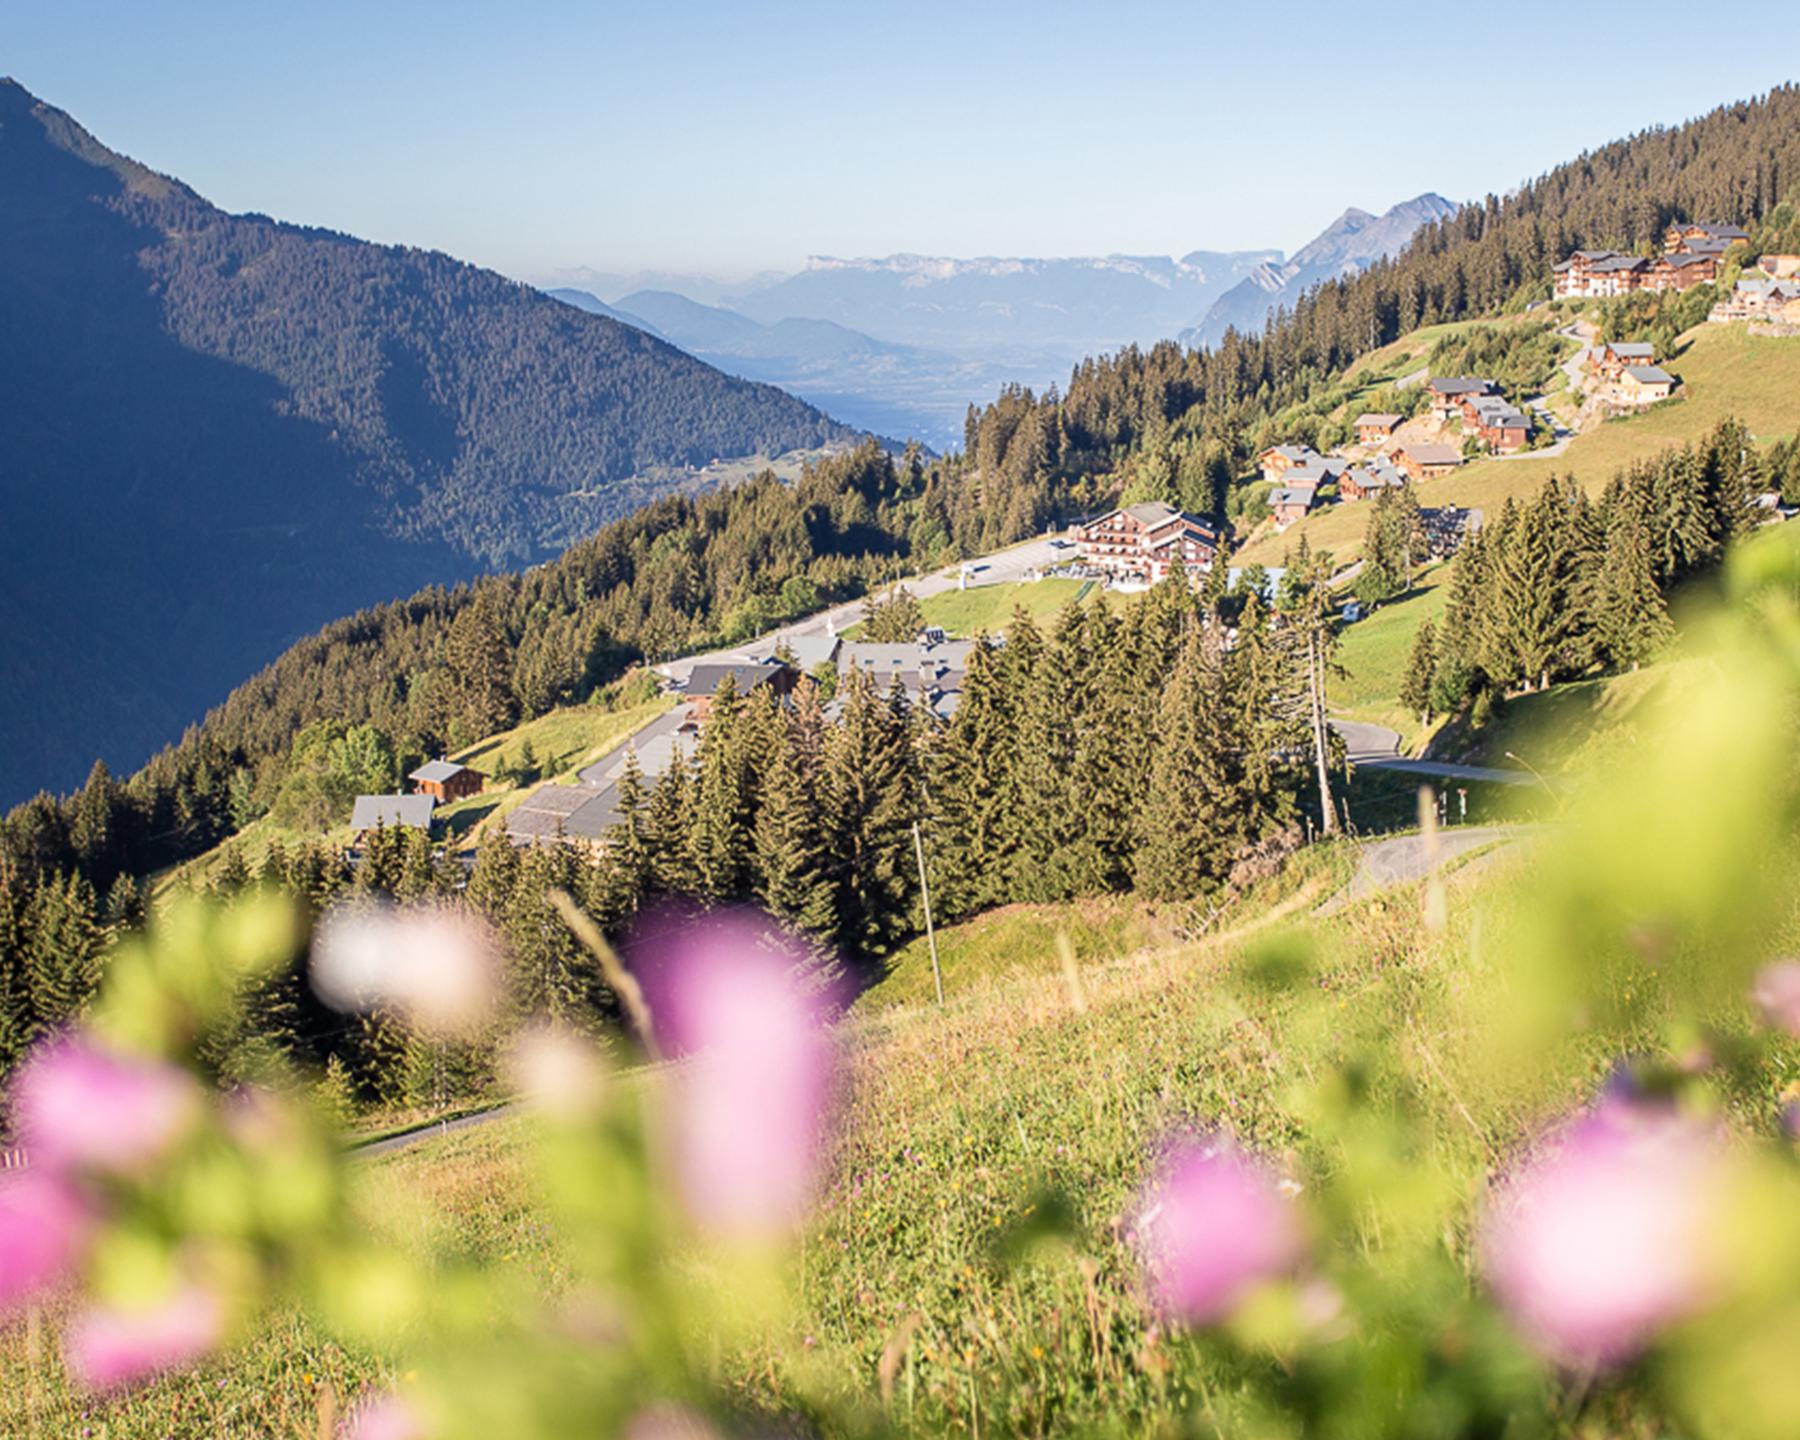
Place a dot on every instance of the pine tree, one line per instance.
(972, 791)
(1269, 697)
(1457, 674)
(1416, 686)
(1631, 621)
(866, 790)
(1193, 798)
(92, 830)
(719, 826)
(790, 862)
(62, 958)
(480, 665)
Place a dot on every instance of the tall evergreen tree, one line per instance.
(865, 790)
(1416, 686)
(1192, 799)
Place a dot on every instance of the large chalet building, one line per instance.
(1144, 542)
(1691, 255)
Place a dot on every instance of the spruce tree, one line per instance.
(1417, 685)
(865, 789)
(972, 791)
(62, 959)
(790, 861)
(719, 830)
(1193, 799)
(1630, 619)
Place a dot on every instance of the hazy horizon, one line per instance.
(712, 141)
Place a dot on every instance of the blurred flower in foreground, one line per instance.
(1603, 1239)
(669, 1422)
(434, 965)
(77, 1105)
(558, 1071)
(1777, 995)
(109, 1348)
(728, 998)
(43, 1223)
(385, 1418)
(1212, 1226)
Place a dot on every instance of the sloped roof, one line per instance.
(1151, 512)
(1462, 385)
(1631, 349)
(1380, 417)
(1293, 495)
(406, 812)
(439, 770)
(1433, 454)
(1650, 374)
(705, 679)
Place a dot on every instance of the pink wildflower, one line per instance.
(1213, 1225)
(43, 1224)
(751, 1098)
(78, 1105)
(385, 1418)
(1777, 995)
(110, 1349)
(1601, 1242)
(436, 966)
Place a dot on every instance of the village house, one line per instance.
(1641, 385)
(1288, 503)
(703, 683)
(1774, 301)
(1427, 462)
(1679, 272)
(1277, 460)
(446, 781)
(1501, 427)
(1597, 273)
(1363, 482)
(390, 812)
(1610, 358)
(1143, 542)
(1780, 267)
(1374, 428)
(1702, 237)
(1449, 391)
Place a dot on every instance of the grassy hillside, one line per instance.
(563, 741)
(1727, 372)
(1373, 654)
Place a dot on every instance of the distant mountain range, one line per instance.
(220, 432)
(903, 344)
(1353, 241)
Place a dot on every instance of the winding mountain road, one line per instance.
(1378, 747)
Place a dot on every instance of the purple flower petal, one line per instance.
(1601, 1242)
(77, 1105)
(110, 1349)
(43, 1227)
(1777, 995)
(1212, 1226)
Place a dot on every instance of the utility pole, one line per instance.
(937, 976)
(1315, 665)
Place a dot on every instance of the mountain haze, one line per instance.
(1354, 240)
(223, 430)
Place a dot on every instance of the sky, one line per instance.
(545, 136)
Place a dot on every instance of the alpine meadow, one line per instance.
(1249, 891)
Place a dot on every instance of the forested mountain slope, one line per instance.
(221, 431)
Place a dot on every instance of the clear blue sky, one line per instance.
(726, 137)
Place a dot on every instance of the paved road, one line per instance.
(1378, 747)
(430, 1132)
(1002, 568)
(1406, 858)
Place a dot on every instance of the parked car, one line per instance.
(1353, 612)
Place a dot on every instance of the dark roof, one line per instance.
(1293, 495)
(1627, 348)
(1715, 230)
(1621, 262)
(1462, 385)
(407, 812)
(1380, 417)
(1695, 257)
(552, 810)
(439, 770)
(706, 678)
(1650, 374)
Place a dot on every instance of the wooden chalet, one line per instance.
(1500, 426)
(1449, 391)
(1288, 503)
(704, 681)
(1277, 460)
(1146, 541)
(1364, 482)
(1702, 237)
(1610, 358)
(446, 781)
(1681, 271)
(1427, 462)
(1374, 428)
